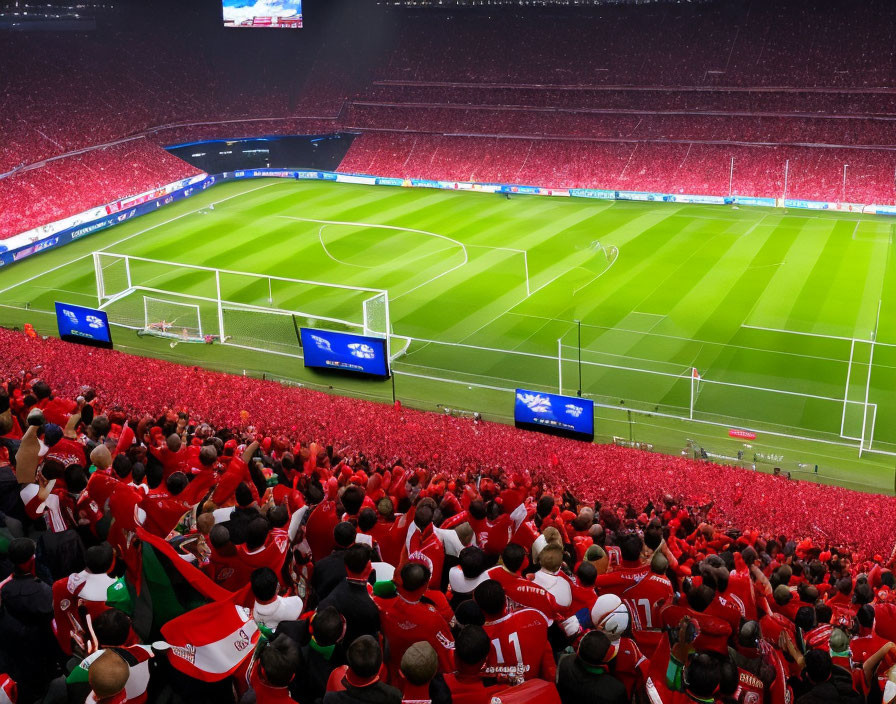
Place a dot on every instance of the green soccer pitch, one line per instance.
(788, 317)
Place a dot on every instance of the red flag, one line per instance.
(212, 642)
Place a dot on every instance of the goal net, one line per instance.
(253, 311)
(172, 319)
(377, 324)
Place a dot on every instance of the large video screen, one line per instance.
(562, 415)
(266, 14)
(86, 326)
(344, 352)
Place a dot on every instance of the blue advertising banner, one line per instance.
(380, 181)
(343, 351)
(86, 326)
(565, 415)
(592, 193)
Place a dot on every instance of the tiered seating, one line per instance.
(694, 168)
(74, 184)
(658, 98)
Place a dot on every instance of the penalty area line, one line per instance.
(397, 229)
(125, 239)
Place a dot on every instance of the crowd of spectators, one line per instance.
(643, 126)
(73, 184)
(670, 95)
(118, 85)
(716, 82)
(785, 101)
(812, 173)
(836, 44)
(171, 534)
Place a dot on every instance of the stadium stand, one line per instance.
(285, 500)
(580, 109)
(172, 534)
(73, 184)
(720, 117)
(94, 108)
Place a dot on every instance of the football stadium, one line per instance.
(340, 360)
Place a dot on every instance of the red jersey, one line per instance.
(272, 554)
(520, 649)
(750, 689)
(819, 638)
(429, 544)
(522, 593)
(405, 623)
(629, 666)
(864, 646)
(725, 609)
(57, 410)
(620, 579)
(885, 620)
(742, 593)
(644, 601)
(470, 689)
(713, 632)
(171, 461)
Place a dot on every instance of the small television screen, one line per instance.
(569, 416)
(86, 326)
(263, 14)
(344, 352)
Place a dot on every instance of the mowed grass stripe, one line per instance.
(773, 307)
(691, 274)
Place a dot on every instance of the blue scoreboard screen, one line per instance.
(86, 326)
(344, 352)
(562, 415)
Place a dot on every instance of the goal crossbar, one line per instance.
(127, 258)
(119, 276)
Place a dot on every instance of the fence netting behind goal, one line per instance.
(272, 330)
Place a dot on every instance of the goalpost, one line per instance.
(261, 312)
(172, 319)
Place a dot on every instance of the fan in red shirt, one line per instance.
(521, 593)
(406, 619)
(471, 650)
(421, 538)
(645, 599)
(866, 642)
(679, 675)
(55, 410)
(712, 632)
(611, 616)
(164, 508)
(520, 649)
(170, 453)
(265, 546)
(631, 571)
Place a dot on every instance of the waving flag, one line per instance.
(212, 642)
